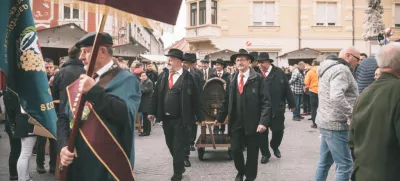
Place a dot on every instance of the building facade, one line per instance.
(290, 30)
(61, 24)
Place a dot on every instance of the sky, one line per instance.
(179, 29)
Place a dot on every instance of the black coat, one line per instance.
(17, 121)
(280, 92)
(201, 78)
(146, 88)
(257, 103)
(190, 96)
(152, 75)
(69, 73)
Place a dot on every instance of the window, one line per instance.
(202, 13)
(263, 14)
(214, 12)
(193, 14)
(326, 14)
(71, 11)
(397, 15)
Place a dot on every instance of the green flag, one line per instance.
(22, 62)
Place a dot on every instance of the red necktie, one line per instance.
(241, 84)
(171, 79)
(219, 74)
(265, 74)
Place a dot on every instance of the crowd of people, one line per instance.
(353, 100)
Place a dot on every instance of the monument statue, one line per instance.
(373, 21)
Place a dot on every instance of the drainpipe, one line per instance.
(299, 19)
(352, 22)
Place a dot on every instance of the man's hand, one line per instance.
(217, 123)
(348, 122)
(203, 123)
(151, 117)
(261, 128)
(51, 81)
(292, 109)
(67, 157)
(85, 83)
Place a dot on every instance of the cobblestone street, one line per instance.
(300, 149)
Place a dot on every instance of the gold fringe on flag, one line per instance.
(99, 8)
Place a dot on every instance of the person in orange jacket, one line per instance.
(311, 86)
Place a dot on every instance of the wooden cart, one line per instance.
(211, 140)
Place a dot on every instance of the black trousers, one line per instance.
(15, 151)
(176, 137)
(306, 103)
(193, 134)
(314, 105)
(146, 123)
(276, 141)
(239, 140)
(40, 151)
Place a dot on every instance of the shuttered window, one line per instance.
(397, 14)
(263, 14)
(326, 14)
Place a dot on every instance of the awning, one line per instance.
(62, 36)
(154, 58)
(129, 50)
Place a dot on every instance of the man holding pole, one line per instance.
(104, 145)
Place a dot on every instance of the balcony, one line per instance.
(202, 33)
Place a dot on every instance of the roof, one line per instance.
(222, 54)
(181, 45)
(68, 25)
(302, 49)
(154, 58)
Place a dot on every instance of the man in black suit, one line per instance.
(248, 108)
(207, 70)
(176, 102)
(219, 72)
(280, 92)
(188, 60)
(254, 65)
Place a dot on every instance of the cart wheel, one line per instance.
(200, 152)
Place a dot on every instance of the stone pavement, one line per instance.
(300, 150)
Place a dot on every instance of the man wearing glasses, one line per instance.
(337, 93)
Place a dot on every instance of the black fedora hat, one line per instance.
(173, 52)
(190, 57)
(255, 55)
(206, 59)
(242, 52)
(220, 61)
(264, 56)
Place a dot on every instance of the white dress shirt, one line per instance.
(246, 76)
(268, 71)
(176, 76)
(219, 74)
(103, 70)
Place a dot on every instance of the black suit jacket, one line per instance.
(280, 92)
(257, 103)
(191, 104)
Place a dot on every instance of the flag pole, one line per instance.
(81, 103)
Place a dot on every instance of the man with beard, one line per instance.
(176, 102)
(254, 64)
(219, 72)
(248, 109)
(280, 92)
(151, 74)
(207, 70)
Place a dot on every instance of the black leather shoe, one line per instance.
(40, 169)
(239, 177)
(144, 134)
(264, 160)
(277, 153)
(177, 177)
(187, 163)
(314, 126)
(192, 148)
